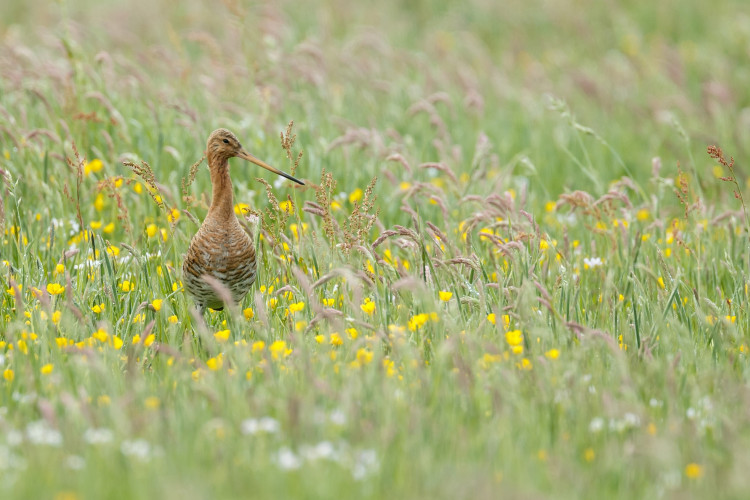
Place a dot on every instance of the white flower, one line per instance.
(287, 460)
(337, 417)
(365, 463)
(138, 448)
(593, 262)
(75, 462)
(323, 450)
(596, 425)
(98, 436)
(40, 433)
(256, 425)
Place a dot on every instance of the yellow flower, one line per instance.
(55, 288)
(296, 307)
(109, 228)
(693, 471)
(173, 215)
(514, 337)
(151, 230)
(355, 195)
(215, 363)
(127, 286)
(98, 308)
(172, 319)
(279, 348)
(335, 205)
(417, 321)
(22, 346)
(364, 356)
(59, 268)
(335, 339)
(156, 304)
(661, 282)
(241, 208)
(286, 206)
(320, 339)
(589, 454)
(258, 345)
(116, 342)
(99, 202)
(94, 166)
(56, 317)
(299, 326)
(403, 186)
(152, 402)
(543, 245)
(445, 296)
(47, 369)
(491, 318)
(222, 335)
(149, 340)
(368, 306)
(329, 302)
(100, 335)
(525, 364)
(552, 354)
(550, 206)
(352, 332)
(9, 375)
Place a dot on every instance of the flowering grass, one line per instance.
(514, 269)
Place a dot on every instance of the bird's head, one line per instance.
(222, 145)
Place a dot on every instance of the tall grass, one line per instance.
(514, 269)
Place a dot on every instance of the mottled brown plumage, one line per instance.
(221, 251)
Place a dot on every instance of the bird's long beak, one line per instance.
(247, 156)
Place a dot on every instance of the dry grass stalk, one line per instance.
(144, 172)
(188, 181)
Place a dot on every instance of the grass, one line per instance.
(515, 269)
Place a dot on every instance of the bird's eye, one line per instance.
(226, 141)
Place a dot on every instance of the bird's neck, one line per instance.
(222, 198)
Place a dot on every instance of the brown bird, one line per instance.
(221, 251)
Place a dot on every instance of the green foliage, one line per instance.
(543, 294)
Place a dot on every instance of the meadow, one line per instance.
(515, 270)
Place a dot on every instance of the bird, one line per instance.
(221, 251)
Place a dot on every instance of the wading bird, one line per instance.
(221, 254)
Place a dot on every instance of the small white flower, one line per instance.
(365, 463)
(40, 433)
(337, 417)
(596, 425)
(256, 425)
(75, 462)
(98, 436)
(287, 460)
(138, 448)
(593, 262)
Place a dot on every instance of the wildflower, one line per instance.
(241, 208)
(693, 471)
(543, 244)
(47, 369)
(296, 307)
(222, 335)
(99, 202)
(550, 206)
(252, 426)
(368, 306)
(56, 317)
(352, 332)
(248, 313)
(335, 205)
(525, 364)
(514, 337)
(355, 195)
(9, 375)
(149, 340)
(100, 335)
(215, 363)
(335, 339)
(444, 295)
(127, 286)
(172, 319)
(109, 228)
(156, 304)
(173, 215)
(593, 262)
(552, 354)
(98, 308)
(258, 345)
(55, 288)
(491, 318)
(364, 356)
(59, 268)
(152, 402)
(589, 454)
(279, 348)
(299, 326)
(661, 282)
(320, 339)
(286, 206)
(116, 342)
(151, 230)
(416, 322)
(329, 302)
(93, 166)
